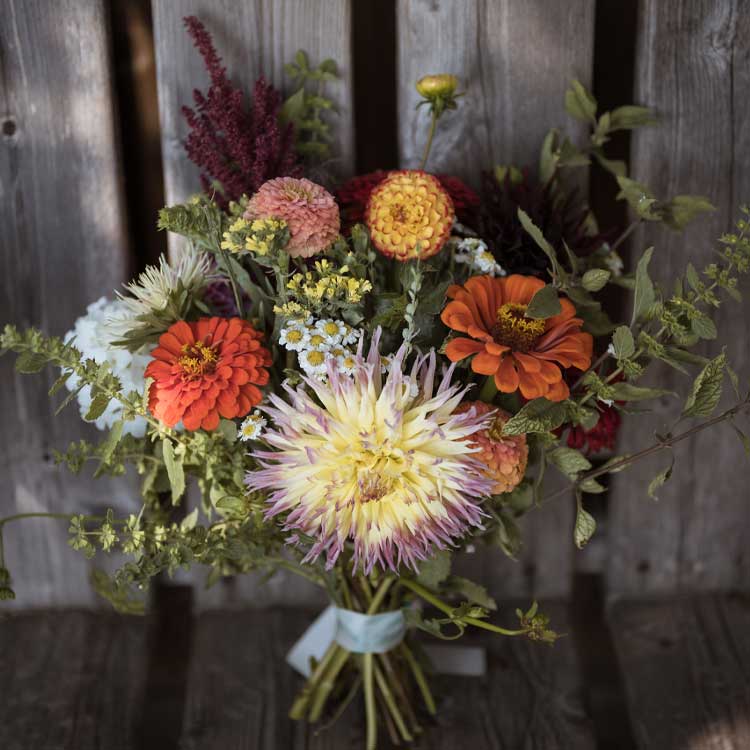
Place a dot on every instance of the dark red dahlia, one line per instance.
(238, 147)
(562, 216)
(599, 438)
(354, 194)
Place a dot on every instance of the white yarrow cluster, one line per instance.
(477, 257)
(92, 336)
(318, 341)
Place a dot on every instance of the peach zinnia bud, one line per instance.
(206, 370)
(409, 215)
(440, 84)
(310, 211)
(503, 456)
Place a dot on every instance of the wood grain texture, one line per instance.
(240, 690)
(686, 666)
(514, 59)
(63, 246)
(253, 38)
(71, 680)
(693, 68)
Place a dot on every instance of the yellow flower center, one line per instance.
(198, 359)
(315, 358)
(515, 330)
(331, 328)
(317, 340)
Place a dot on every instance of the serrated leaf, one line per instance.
(645, 296)
(30, 362)
(579, 103)
(660, 480)
(474, 592)
(112, 440)
(435, 570)
(706, 390)
(98, 406)
(536, 234)
(544, 304)
(682, 209)
(704, 327)
(191, 519)
(639, 198)
(175, 470)
(585, 526)
(569, 461)
(228, 429)
(623, 342)
(595, 279)
(692, 277)
(538, 415)
(623, 391)
(58, 384)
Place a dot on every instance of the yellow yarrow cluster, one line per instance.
(258, 236)
(324, 286)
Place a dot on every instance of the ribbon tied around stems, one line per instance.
(375, 634)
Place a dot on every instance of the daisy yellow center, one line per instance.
(294, 337)
(331, 328)
(315, 358)
(515, 330)
(317, 340)
(198, 359)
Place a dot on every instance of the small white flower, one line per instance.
(313, 361)
(333, 330)
(294, 337)
(614, 263)
(607, 401)
(412, 386)
(347, 363)
(252, 427)
(386, 360)
(474, 253)
(352, 335)
(611, 350)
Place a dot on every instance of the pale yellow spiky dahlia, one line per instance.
(378, 461)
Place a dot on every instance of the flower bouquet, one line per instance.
(362, 380)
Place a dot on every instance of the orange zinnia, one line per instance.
(206, 370)
(522, 353)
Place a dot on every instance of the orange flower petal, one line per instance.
(485, 363)
(460, 348)
(506, 377)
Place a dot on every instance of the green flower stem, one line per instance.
(489, 390)
(59, 517)
(382, 683)
(377, 600)
(395, 680)
(429, 597)
(419, 678)
(370, 716)
(327, 683)
(299, 570)
(233, 282)
(299, 707)
(430, 136)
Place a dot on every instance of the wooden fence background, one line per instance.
(67, 135)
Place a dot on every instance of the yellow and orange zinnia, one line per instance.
(206, 370)
(409, 215)
(521, 353)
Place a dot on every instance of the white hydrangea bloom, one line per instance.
(93, 337)
(252, 427)
(474, 253)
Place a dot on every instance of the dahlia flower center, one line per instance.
(198, 359)
(515, 330)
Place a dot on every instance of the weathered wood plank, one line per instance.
(240, 690)
(515, 61)
(693, 68)
(686, 666)
(253, 38)
(71, 679)
(63, 246)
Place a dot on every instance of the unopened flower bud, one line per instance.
(438, 85)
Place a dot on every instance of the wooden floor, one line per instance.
(83, 680)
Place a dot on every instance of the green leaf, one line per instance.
(569, 461)
(112, 440)
(592, 487)
(507, 535)
(743, 438)
(585, 525)
(99, 404)
(294, 107)
(30, 362)
(191, 519)
(704, 327)
(536, 234)
(623, 343)
(645, 296)
(579, 103)
(434, 571)
(631, 116)
(623, 391)
(682, 209)
(547, 157)
(228, 429)
(175, 470)
(544, 304)
(660, 480)
(706, 390)
(640, 199)
(595, 279)
(538, 415)
(474, 592)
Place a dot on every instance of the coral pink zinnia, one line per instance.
(310, 211)
(206, 370)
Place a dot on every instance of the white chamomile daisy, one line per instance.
(294, 336)
(347, 362)
(333, 330)
(313, 362)
(475, 254)
(252, 427)
(351, 335)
